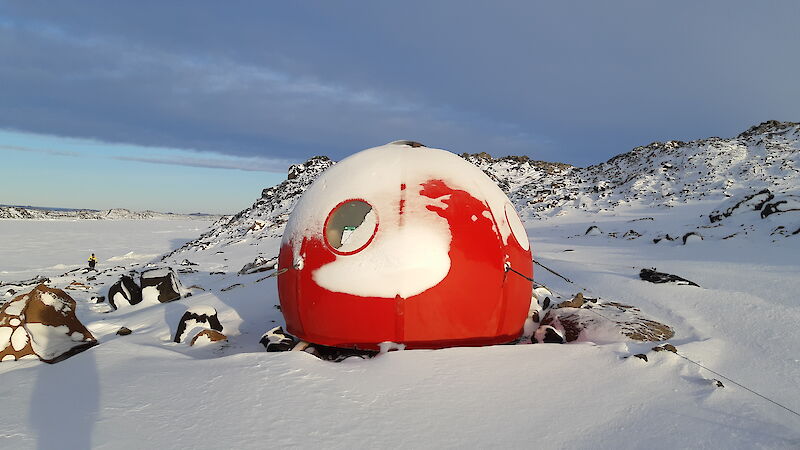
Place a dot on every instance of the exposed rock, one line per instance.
(257, 226)
(663, 237)
(160, 284)
(641, 356)
(547, 334)
(657, 175)
(124, 331)
(88, 214)
(197, 316)
(97, 299)
(751, 202)
(77, 286)
(37, 280)
(665, 347)
(42, 324)
(654, 276)
(272, 209)
(593, 231)
(186, 262)
(124, 292)
(631, 234)
(277, 340)
(260, 264)
(207, 337)
(786, 204)
(770, 126)
(576, 302)
(691, 237)
(605, 322)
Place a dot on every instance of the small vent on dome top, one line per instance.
(409, 143)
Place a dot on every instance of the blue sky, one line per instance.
(196, 106)
(55, 171)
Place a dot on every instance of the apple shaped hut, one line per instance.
(406, 244)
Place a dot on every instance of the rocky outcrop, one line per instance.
(277, 340)
(593, 231)
(42, 324)
(660, 174)
(20, 212)
(260, 264)
(750, 202)
(690, 237)
(786, 204)
(124, 292)
(653, 276)
(268, 215)
(602, 322)
(206, 337)
(204, 317)
(12, 287)
(160, 285)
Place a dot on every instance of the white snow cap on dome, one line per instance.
(405, 259)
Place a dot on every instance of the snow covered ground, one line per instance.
(52, 247)
(145, 391)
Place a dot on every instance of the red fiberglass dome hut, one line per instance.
(406, 244)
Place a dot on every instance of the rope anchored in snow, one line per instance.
(738, 384)
(672, 350)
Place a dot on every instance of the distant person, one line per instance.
(92, 262)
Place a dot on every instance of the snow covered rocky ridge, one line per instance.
(596, 393)
(16, 212)
(746, 179)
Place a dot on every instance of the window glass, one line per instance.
(351, 226)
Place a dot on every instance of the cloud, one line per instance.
(174, 157)
(247, 164)
(292, 80)
(38, 150)
(163, 97)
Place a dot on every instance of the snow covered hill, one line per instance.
(17, 212)
(267, 217)
(716, 174)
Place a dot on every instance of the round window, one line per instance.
(517, 228)
(350, 226)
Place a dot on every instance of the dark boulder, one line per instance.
(547, 334)
(260, 264)
(691, 237)
(124, 292)
(593, 231)
(654, 276)
(277, 340)
(198, 316)
(160, 284)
